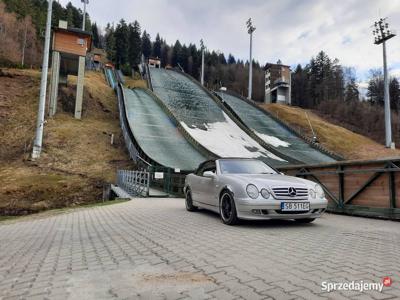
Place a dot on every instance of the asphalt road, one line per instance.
(154, 249)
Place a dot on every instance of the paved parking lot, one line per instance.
(154, 249)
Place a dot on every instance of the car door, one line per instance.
(208, 186)
(195, 183)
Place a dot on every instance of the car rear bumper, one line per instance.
(271, 209)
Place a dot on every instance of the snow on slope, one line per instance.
(226, 139)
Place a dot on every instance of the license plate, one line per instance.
(295, 206)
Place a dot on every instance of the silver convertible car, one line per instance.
(238, 188)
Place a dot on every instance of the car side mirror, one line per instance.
(281, 173)
(209, 174)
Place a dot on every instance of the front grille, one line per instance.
(286, 193)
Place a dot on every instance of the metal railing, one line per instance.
(365, 188)
(135, 183)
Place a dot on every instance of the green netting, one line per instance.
(157, 135)
(111, 77)
(274, 133)
(204, 119)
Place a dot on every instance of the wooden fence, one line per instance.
(364, 188)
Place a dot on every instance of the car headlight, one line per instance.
(312, 193)
(320, 191)
(265, 193)
(252, 191)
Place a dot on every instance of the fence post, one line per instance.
(341, 185)
(392, 189)
(148, 183)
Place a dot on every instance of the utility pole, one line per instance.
(202, 61)
(382, 33)
(250, 30)
(37, 147)
(84, 13)
(24, 44)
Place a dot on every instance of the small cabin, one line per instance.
(72, 41)
(69, 47)
(154, 62)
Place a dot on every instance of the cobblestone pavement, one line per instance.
(154, 249)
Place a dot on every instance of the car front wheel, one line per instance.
(227, 209)
(189, 202)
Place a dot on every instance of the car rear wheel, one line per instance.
(227, 209)
(304, 221)
(189, 202)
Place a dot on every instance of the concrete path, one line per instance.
(154, 249)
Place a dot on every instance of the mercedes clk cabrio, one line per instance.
(238, 188)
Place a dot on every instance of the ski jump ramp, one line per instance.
(206, 121)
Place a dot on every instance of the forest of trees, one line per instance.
(126, 42)
(332, 91)
(22, 27)
(323, 84)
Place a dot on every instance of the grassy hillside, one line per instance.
(335, 138)
(77, 158)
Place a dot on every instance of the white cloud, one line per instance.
(289, 30)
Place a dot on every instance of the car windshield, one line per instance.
(238, 166)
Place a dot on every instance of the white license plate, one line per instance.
(295, 206)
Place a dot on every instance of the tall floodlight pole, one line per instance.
(84, 13)
(382, 33)
(37, 146)
(250, 30)
(202, 61)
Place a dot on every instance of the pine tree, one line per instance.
(231, 59)
(110, 42)
(121, 44)
(95, 36)
(157, 47)
(176, 53)
(351, 92)
(146, 44)
(135, 44)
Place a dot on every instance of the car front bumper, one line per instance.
(250, 209)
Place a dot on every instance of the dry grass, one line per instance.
(134, 83)
(335, 138)
(77, 157)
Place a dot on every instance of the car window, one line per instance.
(209, 166)
(244, 166)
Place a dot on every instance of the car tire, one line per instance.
(227, 209)
(189, 202)
(304, 221)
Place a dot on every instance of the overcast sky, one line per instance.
(290, 30)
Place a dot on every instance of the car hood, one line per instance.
(262, 180)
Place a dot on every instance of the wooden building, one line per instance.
(70, 47)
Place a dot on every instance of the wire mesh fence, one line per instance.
(135, 183)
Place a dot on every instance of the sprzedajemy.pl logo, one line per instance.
(360, 286)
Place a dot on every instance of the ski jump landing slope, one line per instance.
(204, 120)
(274, 133)
(156, 134)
